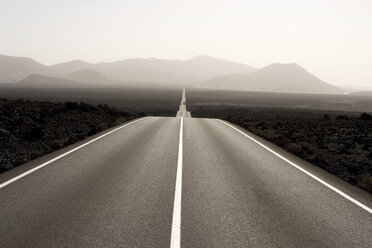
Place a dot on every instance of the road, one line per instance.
(195, 182)
(182, 112)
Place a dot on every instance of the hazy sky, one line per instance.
(330, 38)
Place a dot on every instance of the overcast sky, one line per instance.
(330, 38)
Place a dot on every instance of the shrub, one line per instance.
(102, 126)
(365, 117)
(342, 117)
(120, 120)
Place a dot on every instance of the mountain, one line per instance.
(13, 69)
(71, 66)
(41, 81)
(200, 70)
(88, 76)
(275, 78)
(195, 70)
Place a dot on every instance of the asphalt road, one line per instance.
(116, 192)
(182, 111)
(119, 191)
(238, 194)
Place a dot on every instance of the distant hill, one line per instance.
(13, 69)
(198, 71)
(71, 66)
(41, 81)
(275, 78)
(88, 76)
(195, 70)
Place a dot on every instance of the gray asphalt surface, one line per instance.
(119, 192)
(237, 194)
(115, 192)
(182, 111)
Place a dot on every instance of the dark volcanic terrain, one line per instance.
(29, 129)
(339, 142)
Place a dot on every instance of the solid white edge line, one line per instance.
(64, 154)
(305, 171)
(176, 221)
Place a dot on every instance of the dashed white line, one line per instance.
(63, 155)
(304, 171)
(176, 222)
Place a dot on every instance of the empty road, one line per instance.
(182, 111)
(179, 182)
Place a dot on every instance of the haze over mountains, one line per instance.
(276, 78)
(13, 69)
(197, 69)
(42, 81)
(88, 76)
(200, 71)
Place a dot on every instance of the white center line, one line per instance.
(63, 155)
(304, 171)
(176, 222)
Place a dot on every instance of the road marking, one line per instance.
(304, 171)
(64, 154)
(176, 222)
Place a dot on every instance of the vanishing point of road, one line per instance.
(179, 182)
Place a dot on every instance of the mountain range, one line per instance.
(201, 71)
(275, 78)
